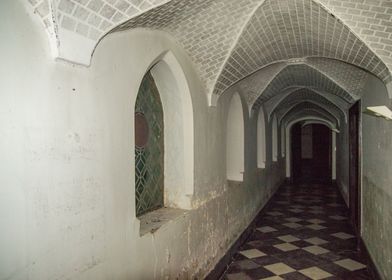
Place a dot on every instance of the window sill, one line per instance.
(234, 184)
(151, 222)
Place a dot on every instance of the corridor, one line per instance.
(140, 139)
(302, 234)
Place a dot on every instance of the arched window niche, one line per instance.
(164, 159)
(149, 148)
(261, 157)
(235, 140)
(275, 139)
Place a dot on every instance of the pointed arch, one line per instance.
(275, 140)
(310, 119)
(149, 148)
(261, 144)
(295, 96)
(179, 133)
(235, 142)
(177, 153)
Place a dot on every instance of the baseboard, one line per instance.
(225, 261)
(370, 263)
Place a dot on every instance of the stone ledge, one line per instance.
(152, 221)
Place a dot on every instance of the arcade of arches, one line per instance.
(187, 139)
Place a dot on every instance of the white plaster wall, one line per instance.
(376, 191)
(342, 161)
(275, 170)
(275, 139)
(67, 204)
(235, 140)
(377, 178)
(261, 131)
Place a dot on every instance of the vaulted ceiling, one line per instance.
(301, 75)
(306, 96)
(308, 110)
(264, 48)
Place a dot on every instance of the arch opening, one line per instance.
(275, 139)
(309, 120)
(235, 158)
(176, 153)
(261, 148)
(311, 148)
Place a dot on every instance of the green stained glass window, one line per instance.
(149, 148)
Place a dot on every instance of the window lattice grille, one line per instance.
(149, 158)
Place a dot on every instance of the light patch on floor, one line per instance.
(288, 238)
(315, 273)
(252, 253)
(350, 264)
(285, 247)
(279, 268)
(292, 225)
(316, 250)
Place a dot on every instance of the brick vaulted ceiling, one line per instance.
(301, 75)
(309, 110)
(297, 95)
(308, 96)
(286, 29)
(230, 40)
(304, 104)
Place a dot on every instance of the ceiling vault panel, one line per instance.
(274, 102)
(289, 29)
(301, 75)
(308, 96)
(229, 40)
(309, 110)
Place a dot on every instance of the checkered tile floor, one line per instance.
(304, 234)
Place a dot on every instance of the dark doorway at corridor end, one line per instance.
(311, 153)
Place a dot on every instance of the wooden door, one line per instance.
(354, 171)
(321, 162)
(311, 159)
(296, 153)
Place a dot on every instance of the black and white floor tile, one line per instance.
(304, 234)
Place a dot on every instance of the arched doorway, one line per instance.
(311, 147)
